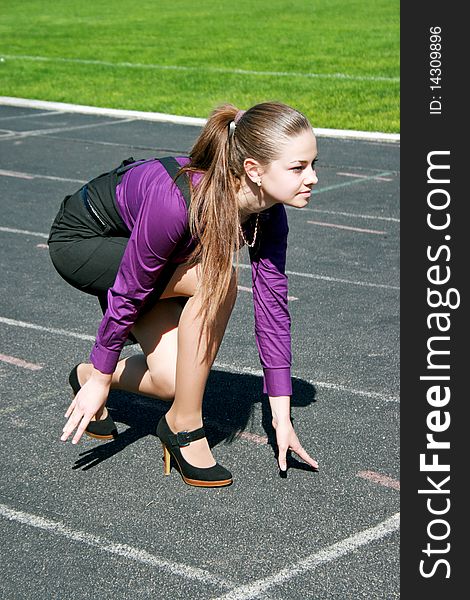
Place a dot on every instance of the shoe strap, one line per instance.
(184, 438)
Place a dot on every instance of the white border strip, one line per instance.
(176, 119)
(346, 546)
(124, 550)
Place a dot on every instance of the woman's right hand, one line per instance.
(89, 401)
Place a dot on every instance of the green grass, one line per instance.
(359, 39)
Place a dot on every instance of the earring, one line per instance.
(259, 182)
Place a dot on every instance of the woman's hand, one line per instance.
(287, 440)
(285, 435)
(89, 401)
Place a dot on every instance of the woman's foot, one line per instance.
(173, 443)
(198, 453)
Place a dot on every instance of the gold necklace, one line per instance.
(253, 241)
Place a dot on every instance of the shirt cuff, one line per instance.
(103, 359)
(277, 382)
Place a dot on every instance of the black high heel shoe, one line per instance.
(104, 429)
(216, 476)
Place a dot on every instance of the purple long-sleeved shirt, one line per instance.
(155, 213)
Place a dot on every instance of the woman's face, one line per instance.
(290, 178)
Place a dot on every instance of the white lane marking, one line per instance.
(18, 362)
(16, 174)
(24, 232)
(320, 384)
(348, 227)
(32, 115)
(202, 69)
(51, 130)
(333, 279)
(358, 176)
(242, 288)
(119, 549)
(22, 175)
(353, 215)
(64, 332)
(346, 546)
(217, 365)
(375, 136)
(336, 186)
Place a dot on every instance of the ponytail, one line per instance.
(213, 212)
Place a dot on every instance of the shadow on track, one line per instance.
(224, 421)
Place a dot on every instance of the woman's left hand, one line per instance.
(287, 440)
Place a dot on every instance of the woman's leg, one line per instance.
(194, 360)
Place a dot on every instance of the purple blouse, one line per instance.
(155, 213)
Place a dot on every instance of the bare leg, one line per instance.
(192, 370)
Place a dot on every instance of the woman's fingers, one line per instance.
(78, 419)
(71, 424)
(70, 409)
(306, 457)
(80, 430)
(282, 458)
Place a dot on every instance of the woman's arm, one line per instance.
(158, 229)
(272, 328)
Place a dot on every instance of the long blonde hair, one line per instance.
(219, 153)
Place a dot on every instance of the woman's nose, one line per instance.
(310, 176)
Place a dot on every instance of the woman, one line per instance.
(160, 261)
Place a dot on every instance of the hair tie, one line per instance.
(233, 124)
(238, 116)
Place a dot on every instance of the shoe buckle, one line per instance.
(183, 438)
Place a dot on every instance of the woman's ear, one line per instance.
(253, 169)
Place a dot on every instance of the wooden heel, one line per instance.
(166, 460)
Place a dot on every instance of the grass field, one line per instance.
(337, 61)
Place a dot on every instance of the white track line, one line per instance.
(347, 227)
(14, 135)
(353, 215)
(217, 365)
(22, 175)
(375, 136)
(320, 384)
(333, 279)
(24, 232)
(336, 186)
(357, 176)
(201, 69)
(32, 115)
(63, 332)
(346, 546)
(111, 547)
